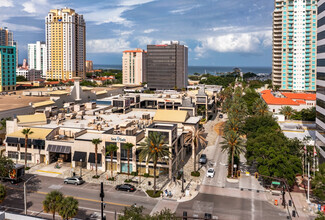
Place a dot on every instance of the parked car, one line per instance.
(203, 159)
(125, 187)
(210, 172)
(221, 116)
(73, 180)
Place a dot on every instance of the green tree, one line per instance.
(6, 166)
(234, 144)
(233, 124)
(287, 111)
(110, 149)
(128, 147)
(136, 213)
(21, 79)
(250, 97)
(3, 193)
(3, 123)
(260, 107)
(52, 202)
(68, 207)
(96, 142)
(26, 132)
(154, 149)
(196, 139)
(318, 183)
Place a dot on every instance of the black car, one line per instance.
(125, 187)
(220, 116)
(203, 159)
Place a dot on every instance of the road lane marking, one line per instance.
(44, 171)
(80, 198)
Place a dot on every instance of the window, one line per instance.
(29, 156)
(13, 154)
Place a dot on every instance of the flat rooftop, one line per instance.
(8, 102)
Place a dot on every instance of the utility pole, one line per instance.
(102, 195)
(308, 201)
(283, 197)
(25, 195)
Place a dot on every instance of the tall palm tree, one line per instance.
(68, 207)
(52, 202)
(195, 138)
(287, 111)
(128, 147)
(234, 145)
(3, 193)
(260, 107)
(110, 149)
(96, 142)
(26, 132)
(233, 124)
(154, 149)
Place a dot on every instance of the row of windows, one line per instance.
(320, 103)
(320, 89)
(14, 155)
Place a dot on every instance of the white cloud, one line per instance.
(42, 7)
(248, 42)
(6, 3)
(183, 10)
(148, 31)
(134, 2)
(109, 16)
(110, 45)
(144, 41)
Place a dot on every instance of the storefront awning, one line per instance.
(78, 155)
(59, 149)
(22, 141)
(12, 140)
(91, 158)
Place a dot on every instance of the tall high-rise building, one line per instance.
(89, 66)
(134, 66)
(167, 65)
(6, 37)
(294, 45)
(7, 68)
(66, 44)
(320, 93)
(37, 57)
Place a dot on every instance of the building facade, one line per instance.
(6, 37)
(66, 44)
(320, 94)
(29, 74)
(37, 57)
(89, 66)
(7, 68)
(294, 45)
(134, 66)
(167, 66)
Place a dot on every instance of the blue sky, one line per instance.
(217, 32)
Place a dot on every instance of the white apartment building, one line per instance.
(66, 44)
(37, 57)
(134, 67)
(294, 45)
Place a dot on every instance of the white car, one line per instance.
(210, 172)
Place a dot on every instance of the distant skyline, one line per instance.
(217, 32)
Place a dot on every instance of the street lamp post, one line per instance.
(182, 180)
(80, 167)
(25, 194)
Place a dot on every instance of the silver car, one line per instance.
(74, 180)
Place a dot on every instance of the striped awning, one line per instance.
(59, 149)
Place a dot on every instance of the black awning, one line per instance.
(38, 142)
(12, 140)
(59, 149)
(91, 158)
(78, 155)
(22, 141)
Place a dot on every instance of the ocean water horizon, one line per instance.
(203, 69)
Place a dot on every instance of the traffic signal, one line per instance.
(256, 175)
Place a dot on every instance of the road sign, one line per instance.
(275, 183)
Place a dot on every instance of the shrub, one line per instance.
(195, 173)
(96, 177)
(127, 181)
(146, 175)
(134, 173)
(151, 193)
(27, 168)
(111, 179)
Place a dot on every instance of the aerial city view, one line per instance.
(161, 109)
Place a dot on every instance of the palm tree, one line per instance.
(26, 132)
(287, 111)
(234, 145)
(52, 202)
(128, 147)
(3, 193)
(195, 138)
(154, 149)
(233, 124)
(3, 123)
(260, 107)
(96, 142)
(68, 207)
(110, 149)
